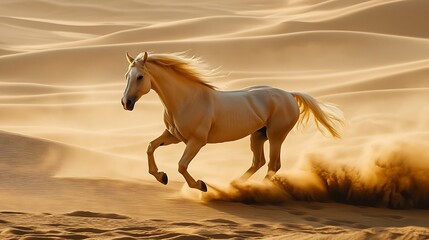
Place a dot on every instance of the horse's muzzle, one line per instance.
(128, 105)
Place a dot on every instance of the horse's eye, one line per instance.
(140, 77)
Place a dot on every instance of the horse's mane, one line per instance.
(193, 68)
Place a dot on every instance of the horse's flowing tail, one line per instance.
(326, 114)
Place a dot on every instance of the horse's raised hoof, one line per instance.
(202, 186)
(163, 178)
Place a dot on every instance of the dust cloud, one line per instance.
(388, 173)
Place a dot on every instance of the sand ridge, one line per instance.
(111, 226)
(73, 162)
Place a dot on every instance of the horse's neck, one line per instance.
(174, 91)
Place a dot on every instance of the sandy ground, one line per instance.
(73, 162)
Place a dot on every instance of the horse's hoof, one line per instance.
(202, 186)
(268, 178)
(164, 178)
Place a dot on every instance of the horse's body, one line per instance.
(196, 113)
(237, 114)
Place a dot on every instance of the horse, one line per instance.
(197, 113)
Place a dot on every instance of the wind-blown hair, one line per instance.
(193, 68)
(326, 114)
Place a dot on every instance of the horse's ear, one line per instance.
(129, 58)
(145, 57)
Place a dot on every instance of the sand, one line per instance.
(73, 162)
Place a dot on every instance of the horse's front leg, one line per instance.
(191, 150)
(165, 139)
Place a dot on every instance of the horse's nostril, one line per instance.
(130, 104)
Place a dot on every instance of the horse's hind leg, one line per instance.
(274, 163)
(165, 139)
(276, 136)
(280, 123)
(257, 140)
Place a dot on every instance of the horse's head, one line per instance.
(138, 82)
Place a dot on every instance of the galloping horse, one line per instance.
(196, 113)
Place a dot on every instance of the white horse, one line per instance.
(196, 113)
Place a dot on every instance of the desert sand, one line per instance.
(73, 162)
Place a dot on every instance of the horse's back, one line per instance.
(262, 99)
(268, 96)
(242, 112)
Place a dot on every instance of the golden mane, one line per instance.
(190, 67)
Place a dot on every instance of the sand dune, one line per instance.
(73, 162)
(196, 28)
(382, 17)
(289, 52)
